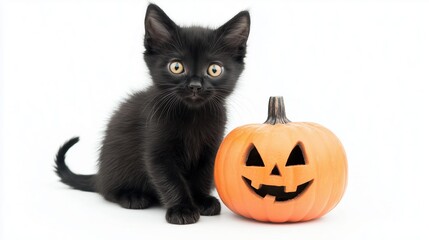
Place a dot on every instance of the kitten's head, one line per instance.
(195, 65)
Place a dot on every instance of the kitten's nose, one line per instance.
(195, 86)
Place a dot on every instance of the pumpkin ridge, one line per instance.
(246, 203)
(221, 174)
(332, 200)
(322, 205)
(298, 129)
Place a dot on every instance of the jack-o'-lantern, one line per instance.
(281, 171)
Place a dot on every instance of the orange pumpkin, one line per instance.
(281, 171)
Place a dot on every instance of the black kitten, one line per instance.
(159, 146)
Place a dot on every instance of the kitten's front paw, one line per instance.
(181, 214)
(209, 206)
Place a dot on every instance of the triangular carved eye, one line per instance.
(254, 158)
(296, 157)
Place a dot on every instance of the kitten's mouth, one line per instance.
(195, 97)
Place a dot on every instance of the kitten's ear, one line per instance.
(236, 31)
(158, 26)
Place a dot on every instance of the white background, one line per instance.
(360, 68)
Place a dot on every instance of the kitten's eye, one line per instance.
(176, 67)
(215, 70)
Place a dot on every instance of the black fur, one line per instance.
(160, 144)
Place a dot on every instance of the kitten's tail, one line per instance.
(77, 181)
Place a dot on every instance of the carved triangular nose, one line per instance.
(275, 171)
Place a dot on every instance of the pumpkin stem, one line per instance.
(276, 111)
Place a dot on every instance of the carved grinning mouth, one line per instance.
(277, 191)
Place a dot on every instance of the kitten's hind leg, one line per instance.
(134, 201)
(131, 199)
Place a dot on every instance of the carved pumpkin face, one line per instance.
(275, 185)
(281, 171)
